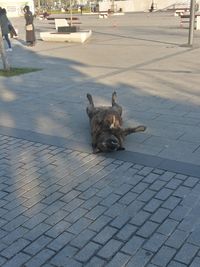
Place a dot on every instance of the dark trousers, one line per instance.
(7, 40)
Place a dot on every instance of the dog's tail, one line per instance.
(139, 128)
(89, 97)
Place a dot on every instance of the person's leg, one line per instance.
(7, 40)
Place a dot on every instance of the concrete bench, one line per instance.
(75, 37)
(185, 19)
(61, 23)
(103, 15)
(180, 11)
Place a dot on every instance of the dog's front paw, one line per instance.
(121, 148)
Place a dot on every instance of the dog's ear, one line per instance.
(114, 97)
(89, 97)
(140, 128)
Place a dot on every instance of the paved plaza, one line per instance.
(61, 205)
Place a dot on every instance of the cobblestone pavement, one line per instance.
(61, 207)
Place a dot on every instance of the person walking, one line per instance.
(30, 31)
(4, 23)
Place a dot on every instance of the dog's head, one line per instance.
(108, 142)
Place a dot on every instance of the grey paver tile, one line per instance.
(163, 256)
(98, 224)
(60, 241)
(83, 238)
(119, 260)
(177, 239)
(141, 258)
(126, 232)
(14, 248)
(195, 262)
(147, 229)
(18, 260)
(87, 252)
(133, 245)
(186, 253)
(40, 258)
(110, 249)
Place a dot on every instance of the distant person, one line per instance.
(152, 7)
(4, 22)
(81, 8)
(30, 31)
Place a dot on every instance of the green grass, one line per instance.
(16, 71)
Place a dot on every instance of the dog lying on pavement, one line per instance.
(106, 126)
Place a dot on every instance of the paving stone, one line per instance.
(126, 232)
(79, 225)
(157, 185)
(72, 205)
(194, 237)
(75, 215)
(95, 261)
(18, 260)
(87, 252)
(167, 176)
(14, 248)
(98, 224)
(177, 239)
(83, 238)
(163, 194)
(105, 235)
(40, 258)
(140, 187)
(115, 210)
(37, 231)
(127, 198)
(173, 184)
(133, 245)
(171, 202)
(167, 227)
(63, 256)
(155, 242)
(110, 200)
(119, 260)
(146, 195)
(91, 203)
(195, 262)
(123, 189)
(141, 258)
(60, 241)
(179, 213)
(160, 215)
(153, 205)
(176, 264)
(182, 191)
(140, 218)
(110, 249)
(37, 245)
(147, 229)
(57, 229)
(151, 177)
(121, 220)
(186, 253)
(163, 256)
(96, 212)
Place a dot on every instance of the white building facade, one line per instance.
(139, 5)
(15, 7)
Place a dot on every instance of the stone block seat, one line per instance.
(77, 37)
(66, 32)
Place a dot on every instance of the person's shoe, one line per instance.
(9, 50)
(15, 36)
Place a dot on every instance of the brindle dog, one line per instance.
(106, 126)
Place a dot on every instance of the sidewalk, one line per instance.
(62, 205)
